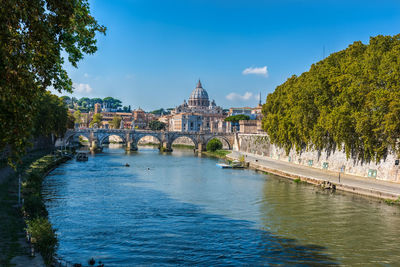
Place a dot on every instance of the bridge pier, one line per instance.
(94, 146)
(166, 147)
(201, 147)
(131, 146)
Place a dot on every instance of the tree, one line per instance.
(66, 99)
(96, 119)
(116, 122)
(159, 111)
(157, 125)
(95, 101)
(349, 101)
(33, 35)
(112, 102)
(70, 121)
(51, 116)
(237, 118)
(78, 116)
(214, 144)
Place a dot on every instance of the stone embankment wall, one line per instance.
(39, 143)
(387, 169)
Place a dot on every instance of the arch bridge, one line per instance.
(131, 137)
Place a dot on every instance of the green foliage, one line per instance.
(34, 206)
(214, 144)
(34, 210)
(70, 121)
(83, 140)
(51, 116)
(392, 202)
(157, 125)
(78, 116)
(237, 118)
(349, 101)
(160, 111)
(33, 35)
(96, 119)
(112, 103)
(217, 153)
(116, 121)
(43, 237)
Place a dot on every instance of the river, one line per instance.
(177, 208)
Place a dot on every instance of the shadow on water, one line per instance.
(156, 229)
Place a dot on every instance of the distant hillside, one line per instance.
(350, 101)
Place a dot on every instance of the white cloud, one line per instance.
(258, 71)
(86, 75)
(82, 88)
(245, 97)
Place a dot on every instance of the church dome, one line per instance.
(199, 97)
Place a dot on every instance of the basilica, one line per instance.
(198, 103)
(198, 114)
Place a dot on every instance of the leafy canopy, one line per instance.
(116, 122)
(237, 118)
(214, 144)
(157, 125)
(96, 119)
(349, 101)
(34, 33)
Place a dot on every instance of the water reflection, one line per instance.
(179, 209)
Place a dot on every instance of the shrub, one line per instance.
(214, 144)
(44, 238)
(34, 206)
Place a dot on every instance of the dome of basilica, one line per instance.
(199, 97)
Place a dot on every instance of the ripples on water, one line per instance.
(184, 210)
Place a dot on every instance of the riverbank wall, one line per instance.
(388, 191)
(38, 143)
(336, 161)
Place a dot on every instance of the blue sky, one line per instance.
(156, 50)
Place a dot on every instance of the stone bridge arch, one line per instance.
(68, 138)
(194, 139)
(104, 136)
(138, 136)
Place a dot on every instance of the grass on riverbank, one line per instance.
(34, 210)
(149, 144)
(183, 146)
(11, 222)
(392, 202)
(217, 153)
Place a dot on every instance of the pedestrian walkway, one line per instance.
(350, 183)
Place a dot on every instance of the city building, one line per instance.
(198, 114)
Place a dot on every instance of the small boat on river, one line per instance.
(82, 155)
(233, 165)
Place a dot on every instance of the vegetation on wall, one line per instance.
(348, 101)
